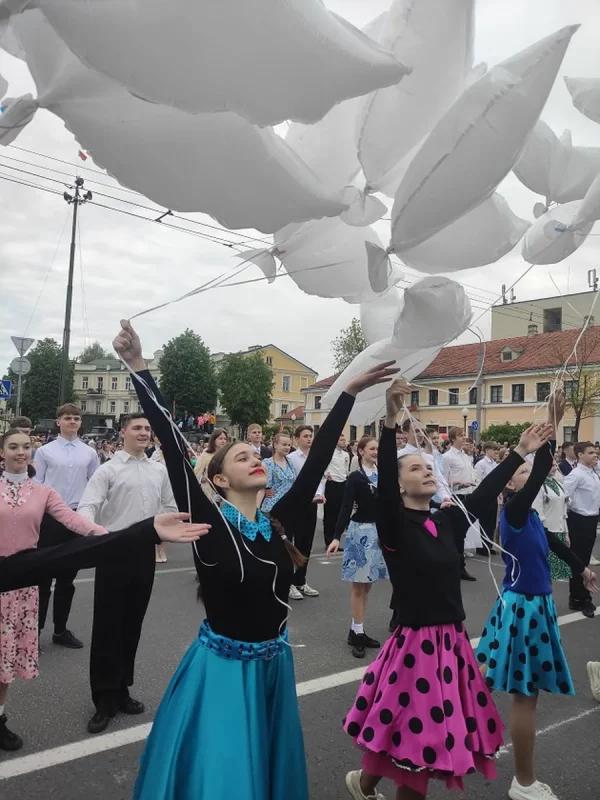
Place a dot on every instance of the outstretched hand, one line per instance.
(380, 373)
(127, 344)
(394, 397)
(173, 527)
(534, 437)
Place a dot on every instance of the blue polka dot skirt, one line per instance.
(423, 710)
(521, 646)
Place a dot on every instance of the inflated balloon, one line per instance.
(377, 316)
(476, 143)
(435, 311)
(267, 61)
(585, 93)
(481, 237)
(243, 176)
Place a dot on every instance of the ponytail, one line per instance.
(297, 558)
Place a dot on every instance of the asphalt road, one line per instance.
(60, 759)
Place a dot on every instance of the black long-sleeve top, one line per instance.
(29, 567)
(239, 596)
(424, 569)
(361, 492)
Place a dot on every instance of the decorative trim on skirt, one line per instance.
(521, 646)
(423, 710)
(230, 713)
(19, 634)
(363, 560)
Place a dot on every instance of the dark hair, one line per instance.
(490, 446)
(129, 418)
(581, 447)
(408, 424)
(215, 466)
(454, 432)
(301, 428)
(8, 435)
(21, 422)
(565, 446)
(211, 447)
(68, 408)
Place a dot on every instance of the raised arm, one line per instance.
(388, 508)
(518, 507)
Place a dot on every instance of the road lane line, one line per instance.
(44, 759)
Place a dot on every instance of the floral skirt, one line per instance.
(559, 570)
(19, 634)
(363, 560)
(423, 710)
(521, 646)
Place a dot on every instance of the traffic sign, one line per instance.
(20, 366)
(5, 390)
(22, 344)
(475, 425)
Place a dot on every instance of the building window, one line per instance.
(542, 392)
(316, 429)
(269, 360)
(507, 354)
(453, 396)
(552, 319)
(128, 383)
(518, 392)
(414, 398)
(139, 407)
(496, 394)
(112, 407)
(353, 433)
(284, 409)
(126, 407)
(85, 382)
(570, 388)
(113, 383)
(317, 402)
(286, 382)
(98, 406)
(369, 430)
(83, 406)
(568, 434)
(100, 380)
(433, 397)
(473, 396)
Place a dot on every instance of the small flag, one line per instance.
(82, 155)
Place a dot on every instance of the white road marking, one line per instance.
(73, 751)
(555, 726)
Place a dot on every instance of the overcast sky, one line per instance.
(129, 264)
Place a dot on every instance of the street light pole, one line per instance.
(77, 199)
(465, 414)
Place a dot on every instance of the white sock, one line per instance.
(358, 627)
(1, 710)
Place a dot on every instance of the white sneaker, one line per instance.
(594, 562)
(353, 786)
(593, 671)
(537, 791)
(469, 554)
(295, 594)
(307, 591)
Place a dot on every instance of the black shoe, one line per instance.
(588, 610)
(9, 741)
(372, 643)
(393, 623)
(67, 639)
(466, 576)
(358, 648)
(131, 706)
(575, 605)
(351, 637)
(100, 721)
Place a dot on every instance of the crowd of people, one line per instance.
(407, 507)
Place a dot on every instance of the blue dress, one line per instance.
(280, 479)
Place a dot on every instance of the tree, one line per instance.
(504, 433)
(348, 345)
(93, 352)
(581, 379)
(41, 386)
(188, 377)
(245, 385)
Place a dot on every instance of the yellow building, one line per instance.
(291, 377)
(514, 384)
(549, 314)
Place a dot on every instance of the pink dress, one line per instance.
(22, 506)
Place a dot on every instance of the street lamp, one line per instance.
(465, 414)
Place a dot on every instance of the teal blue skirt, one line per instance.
(521, 646)
(227, 727)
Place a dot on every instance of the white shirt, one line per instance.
(339, 466)
(67, 466)
(458, 468)
(583, 490)
(483, 467)
(297, 460)
(552, 509)
(126, 490)
(442, 486)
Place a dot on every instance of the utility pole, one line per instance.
(479, 386)
(78, 198)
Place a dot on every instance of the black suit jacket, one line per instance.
(565, 467)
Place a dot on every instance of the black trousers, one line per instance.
(306, 523)
(582, 533)
(334, 495)
(121, 596)
(51, 534)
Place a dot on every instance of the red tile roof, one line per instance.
(543, 351)
(298, 412)
(325, 383)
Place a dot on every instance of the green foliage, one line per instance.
(348, 345)
(245, 384)
(188, 375)
(504, 433)
(41, 387)
(93, 352)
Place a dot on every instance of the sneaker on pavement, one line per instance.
(593, 671)
(594, 562)
(537, 791)
(295, 594)
(353, 786)
(9, 741)
(359, 646)
(67, 639)
(469, 554)
(308, 591)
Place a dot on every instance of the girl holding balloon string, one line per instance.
(423, 710)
